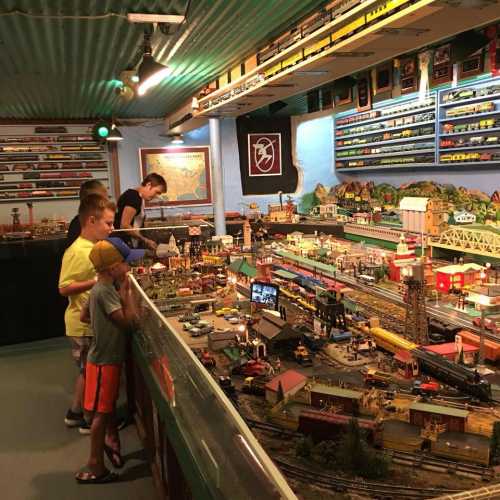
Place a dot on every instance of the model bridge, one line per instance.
(475, 239)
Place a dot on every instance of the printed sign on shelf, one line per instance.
(264, 154)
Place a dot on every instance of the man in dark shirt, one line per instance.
(130, 212)
(88, 187)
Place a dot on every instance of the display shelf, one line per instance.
(472, 115)
(390, 141)
(383, 155)
(471, 132)
(41, 198)
(470, 101)
(17, 172)
(389, 129)
(386, 167)
(80, 154)
(475, 163)
(469, 148)
(416, 111)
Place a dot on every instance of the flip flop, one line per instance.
(114, 457)
(88, 477)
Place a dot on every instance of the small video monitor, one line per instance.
(265, 294)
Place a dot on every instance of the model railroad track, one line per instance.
(372, 489)
(417, 460)
(272, 428)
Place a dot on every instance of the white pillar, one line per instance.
(217, 178)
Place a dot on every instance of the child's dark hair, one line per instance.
(94, 205)
(155, 180)
(89, 187)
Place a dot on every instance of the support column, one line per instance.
(217, 178)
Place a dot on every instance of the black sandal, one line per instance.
(114, 457)
(88, 477)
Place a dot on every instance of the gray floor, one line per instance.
(38, 454)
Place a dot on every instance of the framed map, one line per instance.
(186, 170)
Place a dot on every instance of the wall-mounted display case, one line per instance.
(469, 124)
(452, 127)
(49, 166)
(391, 135)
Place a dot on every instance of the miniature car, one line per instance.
(223, 311)
(233, 320)
(189, 317)
(199, 331)
(424, 388)
(187, 326)
(253, 368)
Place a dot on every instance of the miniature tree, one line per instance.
(304, 447)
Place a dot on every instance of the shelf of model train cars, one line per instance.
(57, 175)
(465, 131)
(384, 116)
(387, 129)
(386, 166)
(381, 154)
(487, 111)
(471, 95)
(46, 138)
(486, 158)
(467, 147)
(344, 145)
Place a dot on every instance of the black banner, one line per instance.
(265, 150)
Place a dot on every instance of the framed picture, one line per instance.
(364, 93)
(408, 75)
(474, 65)
(186, 171)
(345, 97)
(441, 66)
(383, 78)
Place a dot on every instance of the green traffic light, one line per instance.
(103, 131)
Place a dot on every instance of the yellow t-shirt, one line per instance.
(77, 266)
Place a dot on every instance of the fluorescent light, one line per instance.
(177, 139)
(154, 18)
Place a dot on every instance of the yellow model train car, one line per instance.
(390, 341)
(384, 9)
(268, 73)
(292, 60)
(317, 47)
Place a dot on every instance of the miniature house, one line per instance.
(287, 383)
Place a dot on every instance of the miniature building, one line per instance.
(423, 414)
(276, 332)
(450, 350)
(487, 295)
(491, 349)
(242, 270)
(463, 217)
(296, 237)
(277, 213)
(220, 340)
(290, 381)
(462, 447)
(362, 218)
(423, 215)
(457, 276)
(345, 400)
(247, 234)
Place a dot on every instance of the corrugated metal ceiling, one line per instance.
(55, 68)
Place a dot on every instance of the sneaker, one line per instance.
(84, 428)
(73, 419)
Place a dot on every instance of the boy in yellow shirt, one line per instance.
(77, 277)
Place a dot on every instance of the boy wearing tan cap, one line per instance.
(112, 313)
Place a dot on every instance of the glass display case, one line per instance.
(217, 454)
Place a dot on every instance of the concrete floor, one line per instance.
(38, 454)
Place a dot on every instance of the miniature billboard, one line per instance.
(265, 294)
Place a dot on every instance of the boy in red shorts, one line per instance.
(112, 313)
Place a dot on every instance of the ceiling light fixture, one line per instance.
(114, 135)
(176, 139)
(150, 72)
